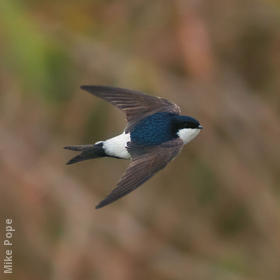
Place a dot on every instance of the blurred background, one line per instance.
(214, 213)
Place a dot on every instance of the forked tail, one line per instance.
(87, 152)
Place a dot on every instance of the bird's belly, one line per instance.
(116, 146)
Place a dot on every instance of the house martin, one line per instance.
(154, 135)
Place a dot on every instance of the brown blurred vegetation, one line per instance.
(214, 213)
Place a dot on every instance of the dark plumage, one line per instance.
(154, 135)
(159, 128)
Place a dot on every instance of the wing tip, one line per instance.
(101, 204)
(84, 87)
(106, 201)
(98, 207)
(95, 89)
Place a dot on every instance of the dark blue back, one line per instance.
(154, 129)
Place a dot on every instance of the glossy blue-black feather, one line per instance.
(159, 128)
(153, 130)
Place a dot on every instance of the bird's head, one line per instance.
(187, 128)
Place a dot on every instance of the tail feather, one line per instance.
(87, 152)
(79, 147)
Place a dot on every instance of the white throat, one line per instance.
(188, 134)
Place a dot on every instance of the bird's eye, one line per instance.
(191, 125)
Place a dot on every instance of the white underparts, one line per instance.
(116, 146)
(188, 134)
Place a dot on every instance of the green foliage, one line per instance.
(43, 67)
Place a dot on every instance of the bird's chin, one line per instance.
(188, 134)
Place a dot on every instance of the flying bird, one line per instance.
(154, 135)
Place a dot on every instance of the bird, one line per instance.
(155, 134)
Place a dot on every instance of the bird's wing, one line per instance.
(146, 161)
(135, 104)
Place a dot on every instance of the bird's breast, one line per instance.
(188, 134)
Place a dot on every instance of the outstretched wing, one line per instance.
(135, 104)
(146, 161)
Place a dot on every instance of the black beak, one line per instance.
(200, 127)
